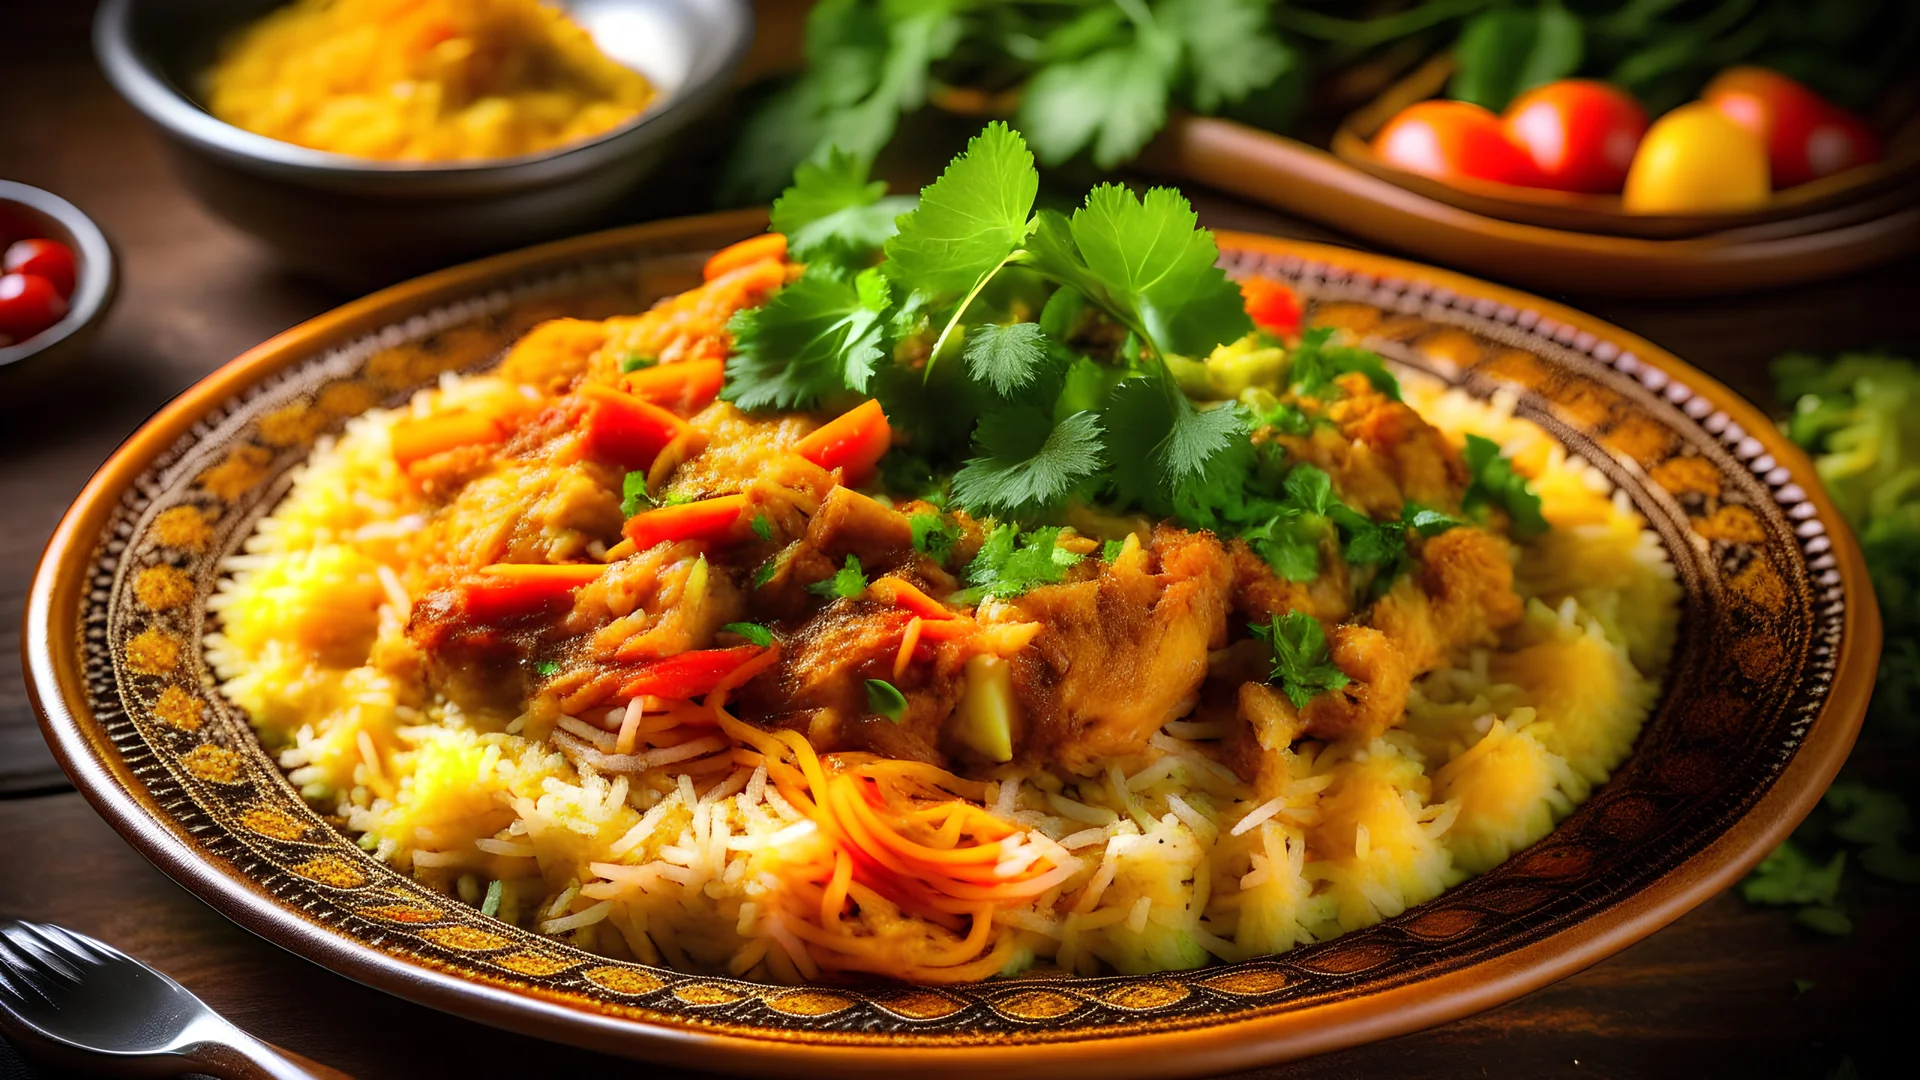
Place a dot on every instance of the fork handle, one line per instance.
(248, 1058)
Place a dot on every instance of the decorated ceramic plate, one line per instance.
(1762, 696)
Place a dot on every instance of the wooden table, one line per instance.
(1714, 994)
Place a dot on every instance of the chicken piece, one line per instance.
(553, 354)
(1375, 699)
(1461, 595)
(819, 685)
(1423, 464)
(741, 449)
(1269, 724)
(1121, 654)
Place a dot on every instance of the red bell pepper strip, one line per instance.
(767, 246)
(1271, 305)
(685, 387)
(689, 674)
(624, 430)
(510, 590)
(853, 441)
(709, 519)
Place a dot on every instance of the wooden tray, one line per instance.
(1810, 207)
(1299, 179)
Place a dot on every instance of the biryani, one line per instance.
(422, 80)
(933, 595)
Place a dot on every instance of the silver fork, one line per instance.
(87, 1005)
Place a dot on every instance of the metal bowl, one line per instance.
(358, 220)
(93, 284)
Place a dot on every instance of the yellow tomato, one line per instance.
(1695, 160)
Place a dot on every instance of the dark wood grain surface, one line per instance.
(1715, 994)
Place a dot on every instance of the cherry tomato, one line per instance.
(1695, 160)
(1806, 137)
(28, 304)
(50, 259)
(1580, 134)
(1451, 139)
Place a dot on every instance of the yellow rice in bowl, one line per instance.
(423, 80)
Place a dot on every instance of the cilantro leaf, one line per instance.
(1230, 49)
(1788, 876)
(1110, 102)
(1382, 545)
(633, 494)
(1027, 465)
(1158, 268)
(1010, 358)
(804, 342)
(1302, 664)
(1009, 564)
(933, 534)
(1495, 483)
(885, 699)
(770, 569)
(1285, 418)
(762, 527)
(1315, 364)
(969, 220)
(1309, 488)
(1111, 550)
(834, 212)
(546, 669)
(755, 633)
(1196, 437)
(633, 362)
(846, 583)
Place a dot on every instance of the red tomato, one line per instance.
(1450, 139)
(50, 259)
(1580, 134)
(1806, 137)
(28, 304)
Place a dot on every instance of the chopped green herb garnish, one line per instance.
(846, 583)
(679, 498)
(1302, 665)
(885, 699)
(1010, 563)
(1382, 545)
(1316, 364)
(1787, 876)
(766, 571)
(491, 905)
(933, 534)
(634, 362)
(754, 632)
(1285, 418)
(633, 494)
(1111, 550)
(762, 527)
(546, 669)
(1495, 483)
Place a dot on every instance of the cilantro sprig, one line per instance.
(1303, 666)
(965, 272)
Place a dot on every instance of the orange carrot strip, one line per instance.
(948, 629)
(689, 674)
(708, 519)
(907, 641)
(904, 594)
(624, 430)
(766, 246)
(853, 441)
(685, 387)
(414, 440)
